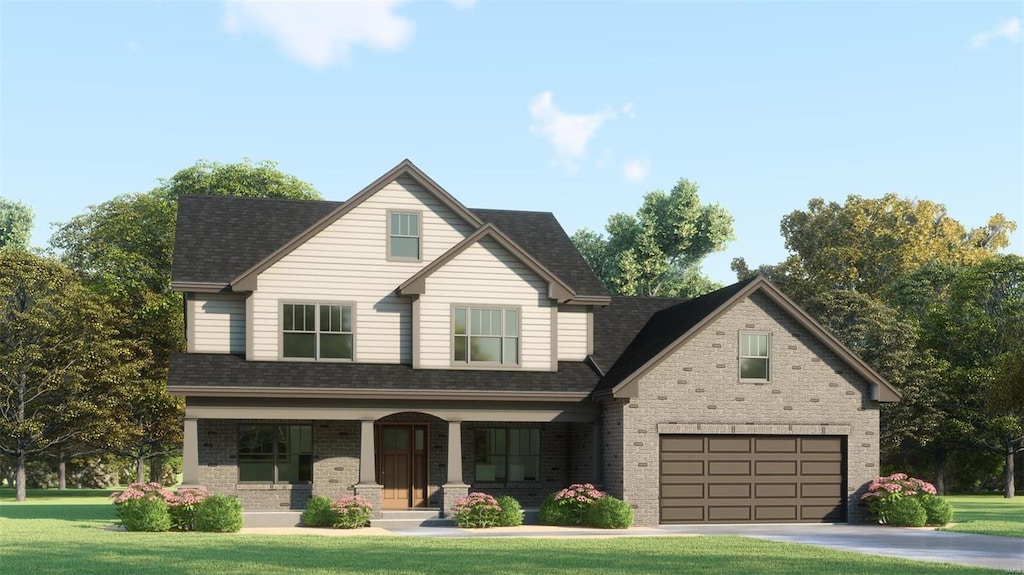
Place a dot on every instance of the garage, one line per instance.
(757, 478)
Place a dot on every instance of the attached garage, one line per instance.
(753, 478)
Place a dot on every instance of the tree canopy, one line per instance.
(658, 251)
(15, 225)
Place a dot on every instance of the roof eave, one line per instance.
(338, 393)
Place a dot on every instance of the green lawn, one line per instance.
(987, 515)
(63, 533)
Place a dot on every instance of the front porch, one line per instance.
(399, 458)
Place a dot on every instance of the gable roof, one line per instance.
(671, 327)
(247, 279)
(557, 289)
(618, 324)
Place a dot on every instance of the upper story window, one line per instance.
(754, 356)
(485, 335)
(404, 236)
(317, 331)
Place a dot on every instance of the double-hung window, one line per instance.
(754, 356)
(485, 335)
(507, 454)
(317, 331)
(404, 236)
(275, 453)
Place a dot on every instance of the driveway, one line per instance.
(922, 544)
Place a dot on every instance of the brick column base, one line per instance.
(371, 493)
(451, 492)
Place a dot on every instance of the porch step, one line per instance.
(271, 518)
(412, 518)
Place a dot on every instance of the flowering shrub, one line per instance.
(180, 506)
(476, 510)
(884, 493)
(573, 502)
(351, 511)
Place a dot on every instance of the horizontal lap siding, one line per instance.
(488, 275)
(572, 333)
(347, 262)
(219, 324)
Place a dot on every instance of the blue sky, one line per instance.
(576, 108)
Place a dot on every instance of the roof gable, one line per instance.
(246, 281)
(557, 289)
(670, 328)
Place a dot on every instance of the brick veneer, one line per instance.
(698, 384)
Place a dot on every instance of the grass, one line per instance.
(987, 515)
(63, 533)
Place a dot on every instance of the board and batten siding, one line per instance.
(218, 323)
(347, 262)
(487, 275)
(573, 332)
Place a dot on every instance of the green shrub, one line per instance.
(219, 514)
(938, 510)
(551, 513)
(149, 513)
(609, 513)
(511, 514)
(318, 513)
(476, 510)
(906, 512)
(350, 512)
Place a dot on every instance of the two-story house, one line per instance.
(406, 348)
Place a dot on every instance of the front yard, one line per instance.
(63, 533)
(987, 515)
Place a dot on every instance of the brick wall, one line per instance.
(698, 383)
(335, 466)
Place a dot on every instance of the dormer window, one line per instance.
(404, 236)
(754, 356)
(487, 336)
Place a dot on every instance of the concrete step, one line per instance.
(409, 518)
(271, 518)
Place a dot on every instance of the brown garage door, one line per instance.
(768, 478)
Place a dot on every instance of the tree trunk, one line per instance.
(19, 479)
(1008, 486)
(62, 472)
(940, 471)
(156, 468)
(140, 469)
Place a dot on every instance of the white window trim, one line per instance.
(740, 357)
(387, 231)
(485, 364)
(316, 331)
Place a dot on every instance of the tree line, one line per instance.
(89, 324)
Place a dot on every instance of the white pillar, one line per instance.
(190, 453)
(455, 452)
(367, 457)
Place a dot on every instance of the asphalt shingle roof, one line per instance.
(218, 238)
(223, 370)
(663, 328)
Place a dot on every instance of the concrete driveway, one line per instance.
(922, 544)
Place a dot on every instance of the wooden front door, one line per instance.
(402, 465)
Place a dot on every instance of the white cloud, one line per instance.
(1009, 30)
(636, 170)
(568, 133)
(322, 33)
(627, 110)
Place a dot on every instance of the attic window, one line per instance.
(404, 236)
(754, 356)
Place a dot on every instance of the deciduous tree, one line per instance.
(15, 225)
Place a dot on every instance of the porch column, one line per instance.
(454, 488)
(598, 456)
(190, 454)
(368, 488)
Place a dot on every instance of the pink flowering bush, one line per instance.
(476, 510)
(138, 513)
(569, 506)
(895, 500)
(351, 511)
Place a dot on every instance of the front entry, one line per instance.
(402, 465)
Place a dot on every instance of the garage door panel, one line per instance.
(684, 491)
(730, 479)
(727, 444)
(776, 512)
(683, 468)
(728, 468)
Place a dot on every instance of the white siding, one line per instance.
(572, 333)
(347, 262)
(219, 323)
(485, 274)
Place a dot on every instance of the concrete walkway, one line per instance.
(1004, 553)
